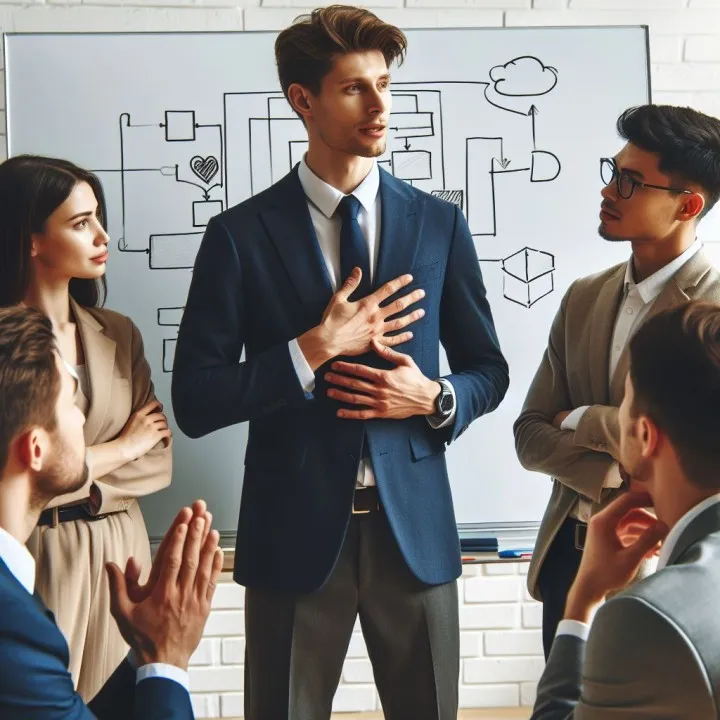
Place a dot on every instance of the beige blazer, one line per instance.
(120, 384)
(573, 373)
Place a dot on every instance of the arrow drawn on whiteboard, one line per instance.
(503, 161)
(532, 112)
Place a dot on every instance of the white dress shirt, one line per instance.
(22, 565)
(638, 299)
(582, 630)
(323, 200)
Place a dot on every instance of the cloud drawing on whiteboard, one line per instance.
(523, 77)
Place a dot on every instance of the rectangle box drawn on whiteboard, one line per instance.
(203, 210)
(170, 316)
(179, 125)
(174, 252)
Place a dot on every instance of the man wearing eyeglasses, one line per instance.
(657, 188)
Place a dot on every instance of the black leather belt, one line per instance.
(365, 500)
(58, 515)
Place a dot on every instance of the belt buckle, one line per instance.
(580, 535)
(361, 512)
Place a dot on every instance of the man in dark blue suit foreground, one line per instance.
(346, 507)
(42, 455)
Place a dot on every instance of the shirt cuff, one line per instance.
(572, 421)
(158, 670)
(435, 423)
(303, 371)
(573, 627)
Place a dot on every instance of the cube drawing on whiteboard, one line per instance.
(528, 276)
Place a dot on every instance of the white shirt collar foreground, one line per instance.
(652, 286)
(326, 198)
(18, 560)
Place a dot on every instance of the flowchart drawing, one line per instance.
(196, 167)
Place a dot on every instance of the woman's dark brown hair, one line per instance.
(31, 189)
(305, 51)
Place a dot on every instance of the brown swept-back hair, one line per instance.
(675, 372)
(29, 378)
(31, 189)
(305, 51)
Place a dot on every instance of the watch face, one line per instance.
(446, 403)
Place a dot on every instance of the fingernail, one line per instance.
(422, 293)
(327, 376)
(410, 334)
(422, 312)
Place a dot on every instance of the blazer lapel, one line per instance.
(603, 323)
(22, 591)
(290, 227)
(705, 524)
(100, 360)
(400, 225)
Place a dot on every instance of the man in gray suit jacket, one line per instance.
(653, 650)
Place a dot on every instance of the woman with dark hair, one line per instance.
(53, 254)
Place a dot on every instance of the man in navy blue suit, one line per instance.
(42, 455)
(346, 508)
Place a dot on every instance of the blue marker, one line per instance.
(516, 553)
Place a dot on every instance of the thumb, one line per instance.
(120, 603)
(351, 282)
(132, 580)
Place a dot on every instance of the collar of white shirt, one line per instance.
(326, 198)
(18, 560)
(680, 526)
(652, 286)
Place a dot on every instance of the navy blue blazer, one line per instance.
(35, 683)
(259, 281)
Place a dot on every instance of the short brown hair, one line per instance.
(29, 379)
(305, 51)
(675, 372)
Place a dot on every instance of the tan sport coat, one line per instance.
(574, 373)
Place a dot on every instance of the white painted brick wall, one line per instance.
(500, 639)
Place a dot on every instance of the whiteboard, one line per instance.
(509, 123)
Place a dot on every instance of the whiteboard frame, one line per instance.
(508, 533)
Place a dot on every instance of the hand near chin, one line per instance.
(619, 538)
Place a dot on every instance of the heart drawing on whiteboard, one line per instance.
(205, 168)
